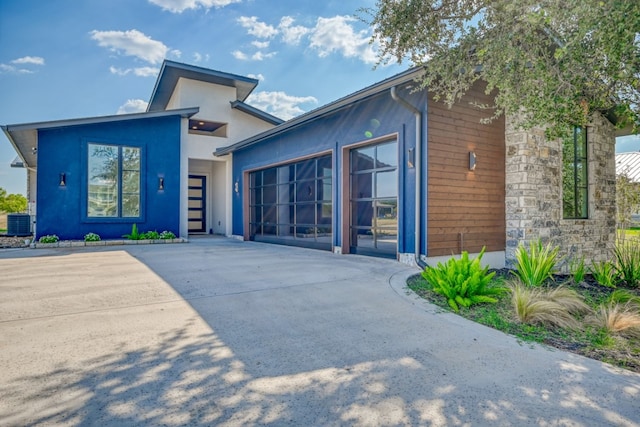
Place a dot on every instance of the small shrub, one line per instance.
(540, 306)
(627, 255)
(617, 318)
(166, 235)
(624, 296)
(49, 238)
(605, 273)
(91, 237)
(150, 235)
(535, 266)
(462, 282)
(134, 235)
(578, 270)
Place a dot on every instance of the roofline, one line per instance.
(203, 72)
(263, 115)
(183, 112)
(5, 129)
(410, 74)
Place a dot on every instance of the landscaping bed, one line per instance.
(12, 242)
(589, 341)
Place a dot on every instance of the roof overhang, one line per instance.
(407, 76)
(171, 72)
(24, 137)
(253, 111)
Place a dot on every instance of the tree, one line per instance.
(10, 203)
(555, 60)
(627, 199)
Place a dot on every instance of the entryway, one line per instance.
(197, 203)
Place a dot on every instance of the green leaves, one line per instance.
(463, 282)
(535, 266)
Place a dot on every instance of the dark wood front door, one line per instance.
(197, 203)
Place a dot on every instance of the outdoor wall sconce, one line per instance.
(63, 179)
(161, 183)
(411, 158)
(235, 187)
(472, 161)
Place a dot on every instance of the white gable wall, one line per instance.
(214, 102)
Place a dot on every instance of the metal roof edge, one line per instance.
(407, 75)
(249, 109)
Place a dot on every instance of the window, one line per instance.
(575, 178)
(113, 181)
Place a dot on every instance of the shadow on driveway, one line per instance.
(220, 332)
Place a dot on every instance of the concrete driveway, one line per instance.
(222, 332)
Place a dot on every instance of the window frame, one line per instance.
(579, 192)
(84, 198)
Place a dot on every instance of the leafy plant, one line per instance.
(150, 235)
(624, 296)
(627, 255)
(91, 237)
(617, 318)
(134, 235)
(535, 266)
(463, 282)
(166, 235)
(578, 270)
(605, 273)
(49, 238)
(541, 306)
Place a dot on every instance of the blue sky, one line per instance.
(62, 59)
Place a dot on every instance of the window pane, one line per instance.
(387, 155)
(575, 179)
(387, 184)
(103, 181)
(306, 169)
(362, 186)
(131, 158)
(362, 159)
(305, 191)
(130, 205)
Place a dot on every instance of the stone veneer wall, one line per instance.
(534, 193)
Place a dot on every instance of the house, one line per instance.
(154, 169)
(385, 171)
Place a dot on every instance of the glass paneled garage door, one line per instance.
(292, 204)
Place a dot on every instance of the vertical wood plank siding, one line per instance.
(466, 209)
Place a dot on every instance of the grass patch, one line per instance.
(590, 339)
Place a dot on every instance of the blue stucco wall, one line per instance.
(61, 210)
(347, 126)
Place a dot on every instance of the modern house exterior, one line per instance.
(385, 171)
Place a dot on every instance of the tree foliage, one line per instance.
(557, 60)
(627, 199)
(10, 203)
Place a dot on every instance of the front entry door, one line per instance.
(197, 203)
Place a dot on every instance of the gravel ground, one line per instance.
(12, 242)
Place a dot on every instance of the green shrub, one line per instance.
(627, 255)
(463, 282)
(547, 306)
(49, 238)
(151, 235)
(166, 235)
(134, 235)
(578, 270)
(91, 237)
(605, 273)
(538, 264)
(624, 296)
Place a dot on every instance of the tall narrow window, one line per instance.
(113, 181)
(575, 178)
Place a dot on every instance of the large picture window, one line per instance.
(113, 181)
(575, 177)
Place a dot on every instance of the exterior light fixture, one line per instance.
(161, 183)
(411, 158)
(472, 161)
(235, 187)
(63, 179)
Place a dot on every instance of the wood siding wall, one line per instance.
(466, 209)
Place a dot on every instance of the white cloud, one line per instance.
(260, 56)
(132, 43)
(198, 57)
(259, 77)
(337, 35)
(36, 60)
(139, 71)
(239, 55)
(291, 34)
(133, 106)
(179, 6)
(260, 45)
(280, 104)
(10, 69)
(257, 28)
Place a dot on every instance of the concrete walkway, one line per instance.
(229, 333)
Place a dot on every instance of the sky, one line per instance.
(64, 59)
